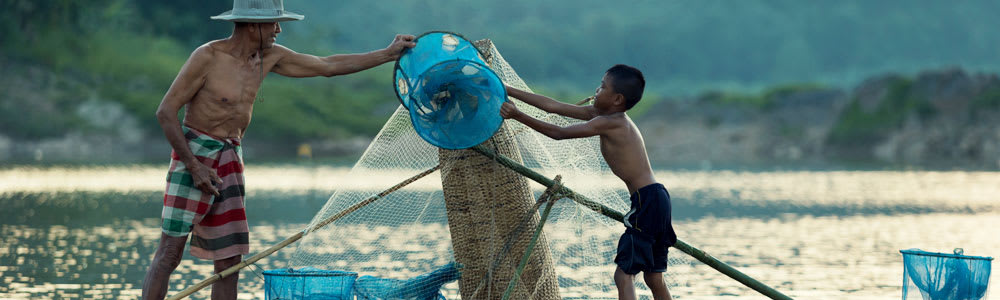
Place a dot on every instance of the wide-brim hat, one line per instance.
(258, 11)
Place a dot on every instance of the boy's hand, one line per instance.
(509, 110)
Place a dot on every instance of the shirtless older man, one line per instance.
(218, 83)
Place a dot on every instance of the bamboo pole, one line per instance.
(243, 264)
(617, 216)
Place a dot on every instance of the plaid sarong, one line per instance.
(219, 223)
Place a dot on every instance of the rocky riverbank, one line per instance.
(940, 119)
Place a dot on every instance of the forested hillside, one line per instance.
(71, 66)
(685, 47)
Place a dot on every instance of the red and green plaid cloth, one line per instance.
(218, 223)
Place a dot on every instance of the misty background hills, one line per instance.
(83, 79)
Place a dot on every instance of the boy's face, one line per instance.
(604, 97)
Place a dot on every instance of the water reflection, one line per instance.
(812, 235)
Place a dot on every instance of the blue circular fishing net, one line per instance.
(454, 99)
(932, 276)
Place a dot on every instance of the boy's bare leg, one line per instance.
(168, 255)
(657, 285)
(626, 289)
(225, 288)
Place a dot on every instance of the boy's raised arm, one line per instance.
(552, 106)
(595, 126)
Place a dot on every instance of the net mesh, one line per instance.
(407, 233)
(932, 276)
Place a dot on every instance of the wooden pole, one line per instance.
(610, 213)
(243, 264)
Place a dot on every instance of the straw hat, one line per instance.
(258, 11)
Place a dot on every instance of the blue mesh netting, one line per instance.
(940, 276)
(308, 283)
(423, 287)
(454, 99)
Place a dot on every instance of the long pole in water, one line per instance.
(617, 216)
(243, 264)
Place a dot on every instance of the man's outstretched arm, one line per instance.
(294, 64)
(552, 106)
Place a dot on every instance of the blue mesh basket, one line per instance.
(454, 99)
(941, 276)
(308, 283)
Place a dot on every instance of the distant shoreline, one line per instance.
(954, 188)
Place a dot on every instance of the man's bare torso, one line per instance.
(222, 107)
(625, 152)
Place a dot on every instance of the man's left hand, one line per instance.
(400, 43)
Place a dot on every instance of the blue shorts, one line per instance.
(648, 233)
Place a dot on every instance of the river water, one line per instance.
(90, 232)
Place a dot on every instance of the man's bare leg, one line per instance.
(168, 255)
(225, 288)
(657, 285)
(626, 289)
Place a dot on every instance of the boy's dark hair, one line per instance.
(628, 81)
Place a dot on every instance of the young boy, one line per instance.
(648, 233)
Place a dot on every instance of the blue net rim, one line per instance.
(395, 80)
(937, 254)
(310, 273)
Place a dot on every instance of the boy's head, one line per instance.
(627, 81)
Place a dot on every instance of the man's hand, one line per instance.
(204, 178)
(508, 110)
(400, 43)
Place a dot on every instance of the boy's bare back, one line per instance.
(625, 152)
(621, 142)
(648, 234)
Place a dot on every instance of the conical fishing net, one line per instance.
(478, 213)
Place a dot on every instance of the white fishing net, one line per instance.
(406, 233)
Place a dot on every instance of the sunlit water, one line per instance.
(90, 233)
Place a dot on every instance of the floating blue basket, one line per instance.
(308, 283)
(454, 99)
(940, 276)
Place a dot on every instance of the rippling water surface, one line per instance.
(90, 233)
